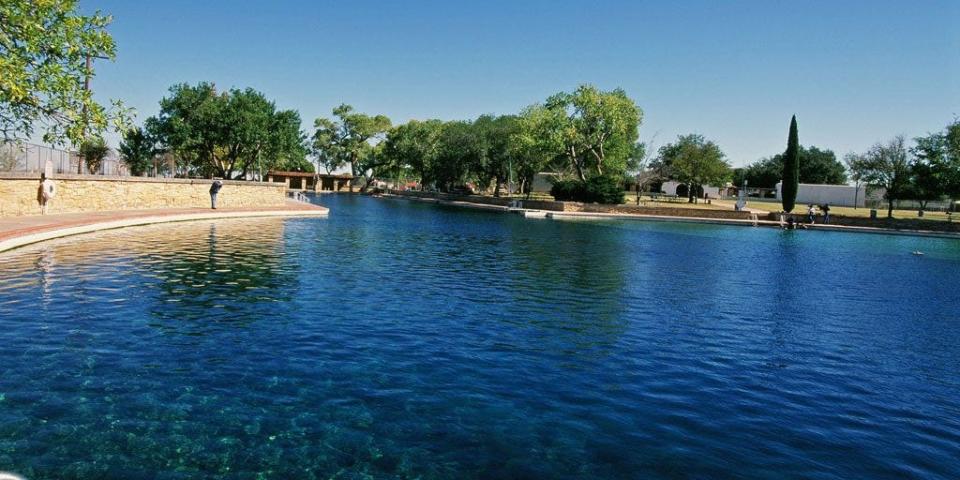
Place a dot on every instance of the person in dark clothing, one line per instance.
(214, 190)
(826, 212)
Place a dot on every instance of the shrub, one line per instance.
(93, 151)
(599, 189)
(604, 189)
(568, 190)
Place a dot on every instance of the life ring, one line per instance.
(49, 189)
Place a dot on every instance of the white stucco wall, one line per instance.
(836, 195)
(543, 182)
(670, 188)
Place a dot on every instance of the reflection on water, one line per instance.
(403, 340)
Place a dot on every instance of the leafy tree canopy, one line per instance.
(414, 145)
(939, 154)
(694, 161)
(223, 134)
(137, 150)
(348, 139)
(817, 166)
(94, 150)
(595, 130)
(44, 47)
(887, 165)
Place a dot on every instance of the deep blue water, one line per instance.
(404, 340)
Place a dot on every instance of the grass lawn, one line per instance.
(853, 212)
(630, 198)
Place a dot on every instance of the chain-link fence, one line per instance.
(32, 158)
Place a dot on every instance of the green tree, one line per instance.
(373, 164)
(817, 166)
(283, 146)
(926, 183)
(94, 150)
(222, 134)
(349, 138)
(821, 167)
(791, 168)
(595, 130)
(458, 150)
(45, 52)
(940, 152)
(414, 145)
(494, 152)
(137, 150)
(857, 166)
(887, 166)
(695, 162)
(325, 145)
(530, 153)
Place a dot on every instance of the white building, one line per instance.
(836, 195)
(543, 182)
(682, 190)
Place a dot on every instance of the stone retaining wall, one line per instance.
(917, 224)
(660, 211)
(85, 193)
(587, 207)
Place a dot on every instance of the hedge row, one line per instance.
(599, 189)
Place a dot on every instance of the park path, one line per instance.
(24, 230)
(731, 205)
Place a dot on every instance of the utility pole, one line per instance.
(83, 130)
(88, 72)
(510, 177)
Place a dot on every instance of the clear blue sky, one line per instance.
(854, 72)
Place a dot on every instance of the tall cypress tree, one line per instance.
(791, 169)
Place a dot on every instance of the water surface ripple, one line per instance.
(403, 340)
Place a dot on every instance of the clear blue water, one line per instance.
(404, 340)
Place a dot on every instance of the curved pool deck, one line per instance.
(20, 231)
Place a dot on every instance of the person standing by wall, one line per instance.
(214, 190)
(826, 212)
(48, 190)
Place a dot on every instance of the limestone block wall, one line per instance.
(662, 211)
(82, 193)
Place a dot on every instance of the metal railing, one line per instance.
(32, 158)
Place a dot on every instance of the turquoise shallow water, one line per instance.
(402, 340)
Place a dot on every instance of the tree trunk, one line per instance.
(689, 193)
(576, 165)
(889, 208)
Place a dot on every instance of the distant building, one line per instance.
(835, 195)
(543, 182)
(671, 187)
(315, 182)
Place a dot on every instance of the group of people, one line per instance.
(812, 212)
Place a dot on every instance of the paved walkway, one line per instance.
(19, 231)
(730, 205)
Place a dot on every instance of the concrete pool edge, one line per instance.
(750, 223)
(539, 214)
(55, 231)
